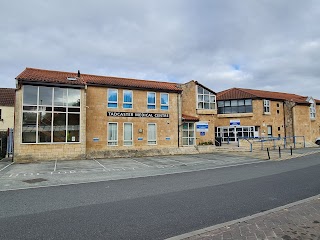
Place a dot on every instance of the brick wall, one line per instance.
(189, 107)
(258, 118)
(97, 122)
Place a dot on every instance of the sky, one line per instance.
(269, 45)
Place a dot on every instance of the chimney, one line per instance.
(78, 73)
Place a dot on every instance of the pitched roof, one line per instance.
(7, 96)
(58, 77)
(189, 118)
(243, 93)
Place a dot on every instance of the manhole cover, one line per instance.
(35, 180)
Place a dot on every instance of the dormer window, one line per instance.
(266, 106)
(206, 99)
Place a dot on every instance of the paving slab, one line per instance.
(299, 220)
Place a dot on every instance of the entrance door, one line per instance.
(232, 133)
(188, 135)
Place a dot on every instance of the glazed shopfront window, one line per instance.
(50, 115)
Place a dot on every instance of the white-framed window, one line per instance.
(152, 134)
(188, 134)
(205, 99)
(164, 98)
(113, 134)
(266, 106)
(151, 100)
(127, 134)
(269, 130)
(127, 99)
(50, 114)
(312, 110)
(112, 98)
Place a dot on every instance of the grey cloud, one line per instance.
(275, 44)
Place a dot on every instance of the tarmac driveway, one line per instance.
(52, 173)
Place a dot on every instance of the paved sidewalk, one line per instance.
(300, 220)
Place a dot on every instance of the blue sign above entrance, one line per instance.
(235, 122)
(202, 126)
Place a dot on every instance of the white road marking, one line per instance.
(100, 164)
(55, 166)
(153, 175)
(6, 166)
(140, 163)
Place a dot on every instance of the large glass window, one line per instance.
(232, 133)
(151, 100)
(50, 114)
(206, 99)
(164, 101)
(112, 98)
(127, 134)
(188, 134)
(235, 106)
(113, 134)
(127, 99)
(152, 133)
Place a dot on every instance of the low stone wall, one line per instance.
(48, 152)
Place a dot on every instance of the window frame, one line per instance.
(128, 103)
(51, 109)
(224, 106)
(164, 107)
(124, 140)
(188, 130)
(156, 135)
(266, 106)
(209, 94)
(312, 110)
(112, 102)
(155, 101)
(110, 140)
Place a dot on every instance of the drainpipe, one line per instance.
(179, 116)
(284, 119)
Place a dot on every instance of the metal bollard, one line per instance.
(291, 150)
(279, 152)
(268, 153)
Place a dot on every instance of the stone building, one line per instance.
(198, 114)
(256, 113)
(62, 115)
(7, 96)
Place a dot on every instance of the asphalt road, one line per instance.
(156, 207)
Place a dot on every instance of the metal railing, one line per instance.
(273, 142)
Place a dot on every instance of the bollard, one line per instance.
(279, 152)
(291, 150)
(268, 153)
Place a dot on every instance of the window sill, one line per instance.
(51, 143)
(206, 111)
(232, 115)
(266, 113)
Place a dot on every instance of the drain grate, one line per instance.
(35, 180)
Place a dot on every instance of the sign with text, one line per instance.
(202, 126)
(138, 114)
(235, 122)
